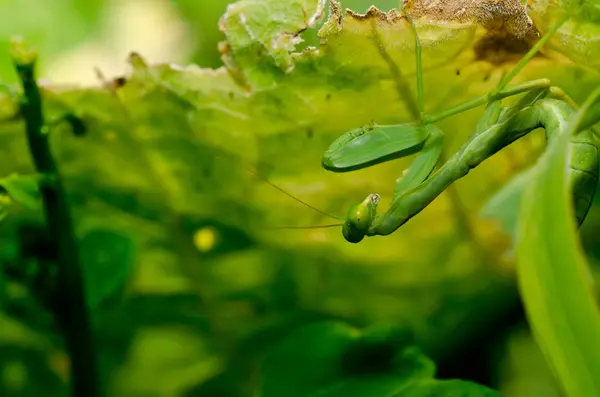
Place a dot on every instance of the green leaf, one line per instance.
(447, 388)
(554, 278)
(505, 204)
(335, 360)
(395, 387)
(374, 386)
(307, 360)
(107, 258)
(23, 189)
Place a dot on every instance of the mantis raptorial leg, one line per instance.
(497, 128)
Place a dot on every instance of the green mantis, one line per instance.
(541, 106)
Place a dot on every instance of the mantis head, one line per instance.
(359, 219)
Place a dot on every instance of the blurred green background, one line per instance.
(211, 289)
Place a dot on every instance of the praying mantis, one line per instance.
(542, 105)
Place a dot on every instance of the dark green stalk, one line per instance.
(69, 299)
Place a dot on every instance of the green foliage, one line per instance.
(554, 277)
(205, 287)
(506, 203)
(4, 205)
(333, 360)
(14, 381)
(316, 350)
(108, 257)
(23, 189)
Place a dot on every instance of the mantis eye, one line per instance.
(351, 234)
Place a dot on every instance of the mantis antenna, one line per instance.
(296, 198)
(256, 174)
(307, 227)
(290, 195)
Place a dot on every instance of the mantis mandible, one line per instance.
(542, 105)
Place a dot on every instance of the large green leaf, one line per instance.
(554, 278)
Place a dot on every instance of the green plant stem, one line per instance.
(69, 300)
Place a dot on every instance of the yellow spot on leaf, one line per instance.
(205, 239)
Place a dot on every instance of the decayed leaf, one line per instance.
(259, 31)
(507, 17)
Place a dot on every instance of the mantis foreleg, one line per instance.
(365, 147)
